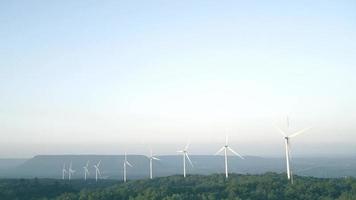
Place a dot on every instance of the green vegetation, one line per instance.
(239, 187)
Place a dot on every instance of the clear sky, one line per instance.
(108, 76)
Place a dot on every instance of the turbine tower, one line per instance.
(226, 148)
(184, 152)
(151, 160)
(70, 171)
(287, 138)
(97, 171)
(126, 163)
(64, 171)
(86, 170)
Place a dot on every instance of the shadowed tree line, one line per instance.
(269, 186)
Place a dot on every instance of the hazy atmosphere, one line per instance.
(104, 77)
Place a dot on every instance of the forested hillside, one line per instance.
(269, 186)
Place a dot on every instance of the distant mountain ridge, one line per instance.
(8, 163)
(50, 166)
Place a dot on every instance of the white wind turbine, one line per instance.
(226, 148)
(151, 160)
(126, 163)
(64, 171)
(70, 171)
(185, 155)
(86, 170)
(288, 148)
(97, 171)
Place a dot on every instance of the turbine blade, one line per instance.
(99, 173)
(309, 168)
(299, 132)
(190, 162)
(226, 140)
(154, 158)
(187, 146)
(180, 151)
(287, 121)
(220, 150)
(280, 131)
(98, 165)
(234, 152)
(127, 162)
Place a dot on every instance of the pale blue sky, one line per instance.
(104, 76)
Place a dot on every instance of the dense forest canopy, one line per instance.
(269, 186)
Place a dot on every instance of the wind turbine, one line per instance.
(185, 155)
(70, 171)
(126, 163)
(287, 146)
(151, 159)
(64, 171)
(86, 170)
(97, 171)
(226, 148)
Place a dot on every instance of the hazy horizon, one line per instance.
(90, 77)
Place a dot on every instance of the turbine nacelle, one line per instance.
(86, 170)
(151, 158)
(64, 171)
(70, 171)
(185, 156)
(97, 170)
(226, 148)
(126, 163)
(287, 137)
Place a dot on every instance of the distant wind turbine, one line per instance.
(287, 146)
(70, 171)
(126, 163)
(86, 170)
(226, 148)
(64, 171)
(151, 160)
(184, 152)
(97, 171)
